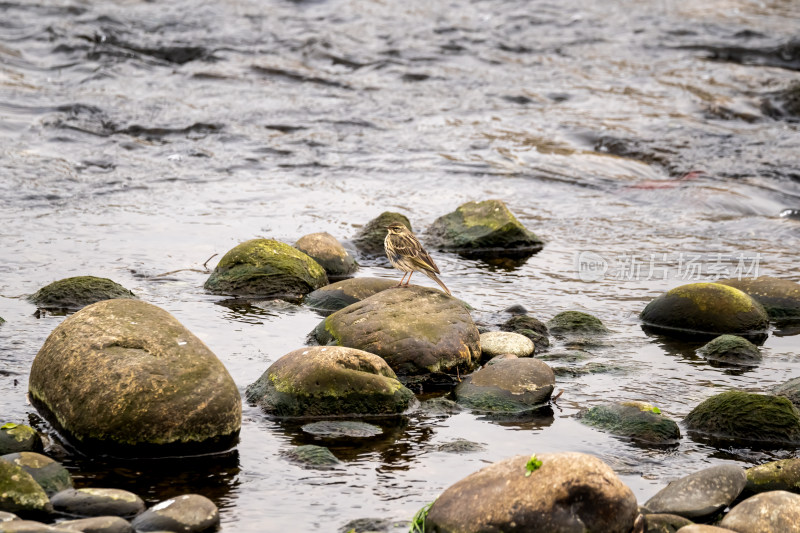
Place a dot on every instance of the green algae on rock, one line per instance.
(731, 350)
(529, 326)
(783, 474)
(746, 416)
(507, 386)
(369, 240)
(482, 226)
(266, 268)
(790, 389)
(705, 309)
(329, 381)
(19, 492)
(126, 377)
(74, 293)
(572, 323)
(636, 420)
(18, 438)
(49, 474)
(780, 297)
(328, 252)
(346, 292)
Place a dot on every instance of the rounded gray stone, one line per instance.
(190, 513)
(328, 252)
(97, 524)
(97, 502)
(775, 511)
(507, 385)
(337, 429)
(731, 350)
(495, 343)
(701, 494)
(49, 474)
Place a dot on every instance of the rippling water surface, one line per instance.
(140, 138)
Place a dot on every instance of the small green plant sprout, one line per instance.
(418, 522)
(644, 406)
(9, 425)
(533, 464)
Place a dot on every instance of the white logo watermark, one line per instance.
(686, 266)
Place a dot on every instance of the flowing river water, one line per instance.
(139, 138)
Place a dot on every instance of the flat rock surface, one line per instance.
(701, 494)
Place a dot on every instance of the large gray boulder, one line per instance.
(417, 330)
(329, 381)
(339, 295)
(126, 377)
(507, 386)
(74, 293)
(328, 252)
(700, 495)
(568, 492)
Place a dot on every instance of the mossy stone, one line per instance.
(705, 308)
(126, 377)
(49, 474)
(780, 297)
(783, 474)
(77, 292)
(572, 323)
(636, 420)
(312, 456)
(369, 240)
(19, 492)
(328, 252)
(732, 350)
(507, 386)
(746, 416)
(529, 326)
(346, 292)
(592, 367)
(329, 381)
(487, 225)
(18, 438)
(266, 268)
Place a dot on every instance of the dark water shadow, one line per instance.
(534, 420)
(504, 260)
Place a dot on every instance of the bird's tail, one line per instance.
(437, 280)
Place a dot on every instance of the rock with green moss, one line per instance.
(790, 390)
(18, 438)
(637, 420)
(339, 295)
(417, 330)
(783, 474)
(49, 474)
(575, 323)
(71, 294)
(486, 226)
(92, 501)
(589, 368)
(746, 416)
(266, 268)
(507, 386)
(731, 350)
(329, 253)
(780, 297)
(329, 381)
(369, 240)
(19, 492)
(705, 309)
(529, 326)
(126, 377)
(312, 456)
(776, 511)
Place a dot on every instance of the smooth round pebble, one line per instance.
(190, 513)
(98, 524)
(774, 511)
(701, 494)
(496, 343)
(97, 502)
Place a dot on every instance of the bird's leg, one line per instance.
(401, 280)
(409, 277)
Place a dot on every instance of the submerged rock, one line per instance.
(266, 268)
(369, 240)
(495, 343)
(461, 446)
(125, 376)
(637, 420)
(19, 492)
(329, 381)
(417, 330)
(780, 297)
(777, 511)
(529, 326)
(18, 438)
(508, 386)
(568, 492)
(701, 495)
(328, 252)
(746, 416)
(346, 292)
(312, 456)
(338, 429)
(49, 474)
(97, 524)
(189, 513)
(777, 475)
(705, 308)
(575, 323)
(77, 292)
(97, 502)
(731, 350)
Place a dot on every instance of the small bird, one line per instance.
(407, 254)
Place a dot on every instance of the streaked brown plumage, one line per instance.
(405, 253)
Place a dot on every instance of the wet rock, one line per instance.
(703, 528)
(27, 526)
(501, 357)
(461, 446)
(7, 517)
(417, 330)
(440, 407)
(777, 510)
(664, 523)
(638, 420)
(570, 356)
(18, 438)
(49, 474)
(369, 240)
(529, 326)
(509, 385)
(587, 369)
(496, 343)
(705, 308)
(337, 429)
(346, 292)
(790, 390)
(266, 268)
(516, 309)
(329, 381)
(482, 226)
(777, 475)
(190, 513)
(19, 492)
(701, 495)
(783, 104)
(780, 297)
(731, 350)
(746, 416)
(126, 377)
(575, 323)
(568, 492)
(97, 502)
(97, 524)
(312, 456)
(77, 292)
(328, 252)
